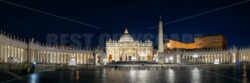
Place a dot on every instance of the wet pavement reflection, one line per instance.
(104, 75)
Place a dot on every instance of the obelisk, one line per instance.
(160, 36)
(160, 42)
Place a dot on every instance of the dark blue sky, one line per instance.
(138, 15)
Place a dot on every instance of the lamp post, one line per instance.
(10, 62)
(171, 58)
(105, 61)
(195, 56)
(133, 58)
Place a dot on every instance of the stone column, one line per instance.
(1, 53)
(77, 58)
(206, 58)
(47, 57)
(224, 58)
(14, 54)
(80, 57)
(8, 53)
(84, 59)
(248, 56)
(37, 56)
(60, 58)
(63, 57)
(11, 53)
(56, 57)
(212, 57)
(43, 57)
(81, 60)
(221, 58)
(52, 59)
(21, 55)
(87, 59)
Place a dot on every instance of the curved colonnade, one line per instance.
(13, 50)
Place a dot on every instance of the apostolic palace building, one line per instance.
(204, 50)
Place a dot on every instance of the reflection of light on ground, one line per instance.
(244, 75)
(104, 75)
(171, 76)
(143, 74)
(77, 75)
(33, 78)
(140, 76)
(195, 75)
(132, 74)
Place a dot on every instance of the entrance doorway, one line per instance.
(130, 58)
(110, 58)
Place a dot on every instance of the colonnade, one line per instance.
(226, 56)
(209, 58)
(12, 54)
(13, 50)
(244, 55)
(50, 57)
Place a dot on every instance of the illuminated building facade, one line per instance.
(128, 49)
(211, 56)
(205, 42)
(14, 50)
(204, 50)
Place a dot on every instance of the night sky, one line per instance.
(138, 15)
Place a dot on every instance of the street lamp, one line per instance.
(142, 55)
(171, 58)
(34, 63)
(195, 56)
(133, 58)
(167, 60)
(105, 61)
(216, 61)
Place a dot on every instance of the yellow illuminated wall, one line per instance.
(217, 41)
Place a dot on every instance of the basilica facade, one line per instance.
(128, 49)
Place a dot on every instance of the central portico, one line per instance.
(128, 49)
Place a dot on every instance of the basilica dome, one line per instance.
(126, 37)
